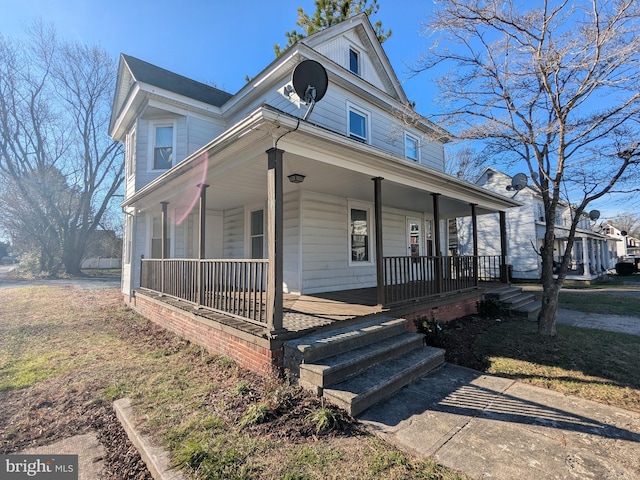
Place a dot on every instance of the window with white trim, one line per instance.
(156, 238)
(358, 124)
(256, 234)
(128, 234)
(354, 61)
(360, 234)
(163, 146)
(131, 153)
(411, 147)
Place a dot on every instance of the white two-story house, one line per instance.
(525, 227)
(237, 206)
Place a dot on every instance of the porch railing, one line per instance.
(236, 287)
(410, 278)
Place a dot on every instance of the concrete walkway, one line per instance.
(495, 428)
(612, 323)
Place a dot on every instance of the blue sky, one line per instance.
(219, 42)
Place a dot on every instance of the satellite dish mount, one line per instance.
(310, 82)
(518, 182)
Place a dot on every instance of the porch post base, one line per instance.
(273, 334)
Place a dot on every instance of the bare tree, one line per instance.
(465, 163)
(627, 222)
(55, 153)
(555, 88)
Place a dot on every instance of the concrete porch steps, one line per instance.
(514, 301)
(357, 366)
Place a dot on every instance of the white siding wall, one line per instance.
(201, 131)
(131, 272)
(291, 244)
(387, 132)
(521, 233)
(325, 260)
(338, 51)
(324, 226)
(234, 233)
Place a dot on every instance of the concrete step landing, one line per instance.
(357, 366)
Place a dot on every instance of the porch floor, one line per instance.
(305, 312)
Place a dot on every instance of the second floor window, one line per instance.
(163, 148)
(411, 147)
(358, 125)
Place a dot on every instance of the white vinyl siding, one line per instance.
(234, 233)
(201, 131)
(337, 50)
(325, 253)
(291, 242)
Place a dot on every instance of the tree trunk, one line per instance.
(72, 253)
(547, 316)
(550, 286)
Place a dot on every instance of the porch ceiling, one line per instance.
(237, 175)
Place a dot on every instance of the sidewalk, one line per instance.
(492, 427)
(612, 323)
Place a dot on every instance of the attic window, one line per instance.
(354, 61)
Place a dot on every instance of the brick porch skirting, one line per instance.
(256, 353)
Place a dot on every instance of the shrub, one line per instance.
(432, 331)
(488, 308)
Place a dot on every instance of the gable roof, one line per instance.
(362, 27)
(159, 77)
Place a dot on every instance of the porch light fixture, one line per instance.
(296, 178)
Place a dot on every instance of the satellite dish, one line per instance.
(518, 182)
(623, 233)
(594, 215)
(310, 83)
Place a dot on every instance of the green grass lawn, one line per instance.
(600, 302)
(592, 364)
(66, 354)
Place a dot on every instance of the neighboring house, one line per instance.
(626, 245)
(626, 248)
(239, 207)
(591, 255)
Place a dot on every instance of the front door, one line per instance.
(414, 237)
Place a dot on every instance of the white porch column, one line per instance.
(592, 256)
(585, 255)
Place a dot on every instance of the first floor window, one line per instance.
(128, 235)
(359, 235)
(163, 148)
(257, 234)
(156, 239)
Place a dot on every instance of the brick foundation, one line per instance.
(255, 353)
(445, 312)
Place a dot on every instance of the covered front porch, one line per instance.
(260, 230)
(237, 288)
